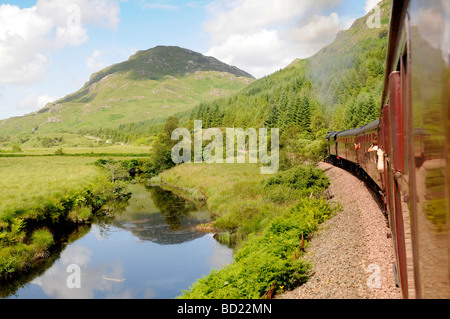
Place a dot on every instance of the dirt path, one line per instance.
(350, 249)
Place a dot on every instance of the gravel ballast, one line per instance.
(352, 253)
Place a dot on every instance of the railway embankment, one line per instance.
(352, 254)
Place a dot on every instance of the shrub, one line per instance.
(81, 214)
(16, 149)
(42, 239)
(306, 178)
(17, 250)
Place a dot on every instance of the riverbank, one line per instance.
(269, 218)
(42, 200)
(147, 249)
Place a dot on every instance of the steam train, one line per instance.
(406, 152)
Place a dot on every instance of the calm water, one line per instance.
(150, 250)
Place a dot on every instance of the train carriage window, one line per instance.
(405, 76)
(396, 110)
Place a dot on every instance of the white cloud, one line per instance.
(29, 35)
(258, 53)
(33, 102)
(317, 32)
(104, 13)
(248, 16)
(93, 62)
(262, 36)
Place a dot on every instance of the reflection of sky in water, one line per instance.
(120, 265)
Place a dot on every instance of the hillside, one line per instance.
(150, 84)
(348, 74)
(337, 88)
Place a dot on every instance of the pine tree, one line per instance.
(304, 113)
(272, 116)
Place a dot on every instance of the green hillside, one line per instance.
(151, 84)
(348, 75)
(338, 88)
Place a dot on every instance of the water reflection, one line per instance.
(163, 218)
(150, 250)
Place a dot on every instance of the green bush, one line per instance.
(42, 239)
(306, 178)
(13, 259)
(81, 214)
(16, 149)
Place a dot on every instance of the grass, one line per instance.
(71, 144)
(25, 181)
(210, 179)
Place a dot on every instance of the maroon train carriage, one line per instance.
(411, 166)
(350, 149)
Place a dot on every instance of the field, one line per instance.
(71, 144)
(26, 180)
(36, 173)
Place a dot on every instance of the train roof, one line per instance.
(359, 130)
(331, 134)
(398, 12)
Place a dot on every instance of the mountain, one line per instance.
(154, 83)
(335, 89)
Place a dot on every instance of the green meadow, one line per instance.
(26, 180)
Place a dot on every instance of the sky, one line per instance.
(50, 48)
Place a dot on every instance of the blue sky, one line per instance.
(49, 48)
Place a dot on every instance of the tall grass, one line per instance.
(27, 181)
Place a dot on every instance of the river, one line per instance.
(150, 249)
